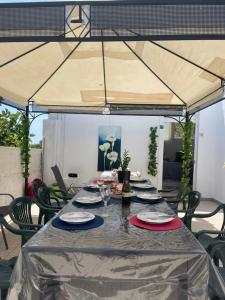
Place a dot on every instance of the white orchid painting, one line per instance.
(109, 147)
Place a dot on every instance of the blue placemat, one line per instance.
(89, 206)
(138, 200)
(94, 205)
(143, 190)
(98, 221)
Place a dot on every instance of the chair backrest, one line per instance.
(36, 183)
(44, 195)
(59, 178)
(20, 211)
(194, 198)
(180, 192)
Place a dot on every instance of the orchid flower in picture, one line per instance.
(112, 156)
(109, 147)
(104, 148)
(111, 138)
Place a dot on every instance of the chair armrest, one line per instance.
(55, 192)
(14, 230)
(56, 199)
(212, 248)
(221, 206)
(63, 197)
(218, 232)
(31, 226)
(46, 207)
(9, 195)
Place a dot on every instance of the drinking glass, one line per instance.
(105, 193)
(100, 183)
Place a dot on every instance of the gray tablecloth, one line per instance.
(115, 261)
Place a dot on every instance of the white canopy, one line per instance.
(80, 74)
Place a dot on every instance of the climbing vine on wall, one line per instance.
(152, 150)
(25, 147)
(187, 155)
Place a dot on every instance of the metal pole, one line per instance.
(187, 116)
(26, 144)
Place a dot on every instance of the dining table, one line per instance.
(115, 261)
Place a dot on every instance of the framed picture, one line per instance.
(109, 147)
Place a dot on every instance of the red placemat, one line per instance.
(174, 224)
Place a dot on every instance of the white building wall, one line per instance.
(210, 152)
(11, 179)
(71, 141)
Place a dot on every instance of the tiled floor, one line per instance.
(204, 207)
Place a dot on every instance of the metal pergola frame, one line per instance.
(135, 109)
(80, 3)
(176, 112)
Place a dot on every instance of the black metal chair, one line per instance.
(209, 237)
(4, 210)
(217, 252)
(193, 200)
(174, 200)
(6, 268)
(20, 214)
(72, 190)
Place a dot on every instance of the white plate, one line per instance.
(93, 186)
(77, 217)
(154, 217)
(147, 196)
(133, 178)
(130, 194)
(143, 185)
(88, 199)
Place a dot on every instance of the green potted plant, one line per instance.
(124, 162)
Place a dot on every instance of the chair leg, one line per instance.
(41, 214)
(4, 237)
(4, 294)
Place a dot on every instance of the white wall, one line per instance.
(71, 141)
(11, 179)
(209, 175)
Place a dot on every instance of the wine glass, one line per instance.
(105, 193)
(100, 183)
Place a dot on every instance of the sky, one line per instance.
(36, 127)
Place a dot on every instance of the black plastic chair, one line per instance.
(20, 214)
(48, 200)
(4, 210)
(43, 199)
(72, 190)
(6, 268)
(209, 237)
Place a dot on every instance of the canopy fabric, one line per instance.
(80, 80)
(88, 75)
